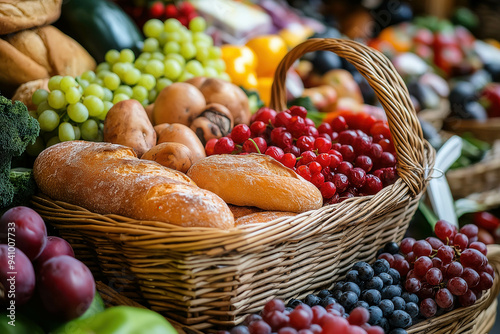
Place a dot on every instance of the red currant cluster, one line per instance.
(346, 157)
(184, 11)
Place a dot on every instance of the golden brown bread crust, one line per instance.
(255, 180)
(40, 53)
(17, 15)
(24, 93)
(240, 211)
(109, 178)
(261, 217)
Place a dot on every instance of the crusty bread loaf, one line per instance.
(255, 180)
(109, 178)
(261, 217)
(24, 93)
(240, 211)
(40, 53)
(18, 15)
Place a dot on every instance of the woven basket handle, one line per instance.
(390, 90)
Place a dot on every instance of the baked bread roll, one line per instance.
(255, 180)
(108, 178)
(24, 93)
(40, 53)
(18, 15)
(262, 217)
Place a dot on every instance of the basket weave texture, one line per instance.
(488, 131)
(479, 178)
(208, 278)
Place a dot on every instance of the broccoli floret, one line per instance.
(17, 130)
(24, 185)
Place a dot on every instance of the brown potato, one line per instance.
(127, 124)
(149, 110)
(180, 133)
(172, 155)
(159, 127)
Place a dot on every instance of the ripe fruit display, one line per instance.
(64, 285)
(344, 157)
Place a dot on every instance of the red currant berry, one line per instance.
(323, 145)
(338, 124)
(305, 143)
(335, 161)
(288, 160)
(375, 151)
(265, 114)
(387, 145)
(209, 146)
(325, 128)
(364, 162)
(357, 177)
(257, 128)
(334, 136)
(249, 145)
(347, 137)
(380, 128)
(282, 119)
(326, 136)
(224, 145)
(311, 131)
(387, 160)
(292, 149)
(170, 11)
(315, 167)
(318, 179)
(347, 153)
(336, 146)
(305, 172)
(328, 189)
(345, 168)
(341, 182)
(156, 10)
(298, 111)
(240, 133)
(275, 152)
(186, 8)
(324, 159)
(296, 126)
(307, 157)
(281, 137)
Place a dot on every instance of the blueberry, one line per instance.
(365, 271)
(357, 265)
(400, 319)
(384, 323)
(324, 293)
(353, 276)
(396, 277)
(348, 300)
(412, 309)
(386, 279)
(381, 266)
(387, 307)
(362, 303)
(380, 251)
(391, 291)
(372, 296)
(241, 329)
(350, 286)
(410, 297)
(336, 294)
(312, 300)
(288, 309)
(398, 331)
(293, 303)
(328, 300)
(399, 303)
(338, 286)
(375, 314)
(391, 248)
(375, 283)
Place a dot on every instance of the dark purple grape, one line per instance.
(16, 275)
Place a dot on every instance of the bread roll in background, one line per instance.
(262, 217)
(255, 180)
(109, 179)
(24, 93)
(18, 15)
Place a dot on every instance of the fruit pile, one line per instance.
(65, 286)
(276, 318)
(351, 155)
(74, 108)
(446, 271)
(183, 11)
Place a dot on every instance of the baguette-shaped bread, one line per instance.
(17, 15)
(108, 178)
(255, 180)
(261, 217)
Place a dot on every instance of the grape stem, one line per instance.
(255, 144)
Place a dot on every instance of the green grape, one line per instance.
(140, 63)
(78, 112)
(95, 90)
(188, 50)
(66, 83)
(219, 65)
(195, 68)
(127, 56)
(158, 55)
(89, 130)
(49, 120)
(39, 96)
(171, 47)
(42, 107)
(186, 35)
(162, 39)
(132, 76)
(120, 68)
(98, 81)
(124, 89)
(83, 83)
(52, 141)
(155, 67)
(172, 69)
(177, 57)
(89, 75)
(94, 105)
(150, 45)
(185, 76)
(112, 56)
(211, 72)
(77, 132)
(56, 99)
(145, 103)
(201, 37)
(140, 93)
(145, 55)
(174, 37)
(103, 66)
(197, 24)
(107, 105)
(54, 82)
(33, 113)
(36, 148)
(120, 97)
(73, 95)
(152, 95)
(102, 74)
(224, 76)
(147, 80)
(172, 25)
(202, 54)
(162, 83)
(111, 81)
(66, 132)
(108, 94)
(214, 52)
(152, 28)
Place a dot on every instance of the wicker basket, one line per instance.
(479, 178)
(488, 131)
(436, 116)
(206, 278)
(476, 319)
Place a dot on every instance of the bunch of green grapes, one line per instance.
(75, 108)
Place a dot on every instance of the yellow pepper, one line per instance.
(269, 49)
(241, 63)
(264, 85)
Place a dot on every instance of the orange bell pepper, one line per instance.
(269, 49)
(241, 63)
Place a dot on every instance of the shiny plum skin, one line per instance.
(20, 288)
(55, 247)
(29, 233)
